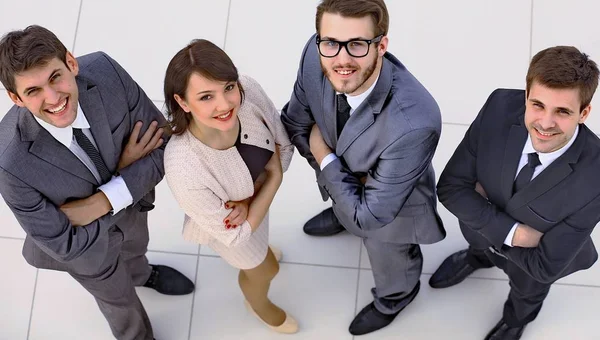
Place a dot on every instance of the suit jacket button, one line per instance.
(245, 136)
(267, 141)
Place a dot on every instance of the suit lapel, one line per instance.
(91, 104)
(512, 155)
(45, 147)
(551, 176)
(364, 115)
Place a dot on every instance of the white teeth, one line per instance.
(60, 108)
(345, 73)
(544, 134)
(225, 115)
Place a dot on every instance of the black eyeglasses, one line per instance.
(357, 48)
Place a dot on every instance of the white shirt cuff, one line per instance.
(511, 233)
(117, 193)
(328, 159)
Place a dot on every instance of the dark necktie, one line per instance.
(343, 112)
(94, 155)
(526, 173)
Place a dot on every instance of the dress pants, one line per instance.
(526, 295)
(113, 285)
(396, 270)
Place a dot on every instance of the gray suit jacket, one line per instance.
(38, 174)
(390, 138)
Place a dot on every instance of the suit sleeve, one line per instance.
(558, 247)
(297, 116)
(47, 225)
(143, 175)
(378, 202)
(456, 189)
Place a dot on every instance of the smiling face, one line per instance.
(349, 74)
(212, 104)
(552, 116)
(49, 91)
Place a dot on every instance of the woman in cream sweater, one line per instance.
(224, 164)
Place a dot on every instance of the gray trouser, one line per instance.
(396, 270)
(113, 285)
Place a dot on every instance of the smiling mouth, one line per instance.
(546, 134)
(345, 72)
(225, 116)
(58, 109)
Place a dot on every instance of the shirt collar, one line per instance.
(547, 158)
(65, 135)
(355, 101)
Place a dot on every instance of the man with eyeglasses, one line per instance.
(369, 129)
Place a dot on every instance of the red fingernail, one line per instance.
(228, 226)
(227, 206)
(235, 226)
(226, 221)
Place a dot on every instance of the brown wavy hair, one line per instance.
(202, 57)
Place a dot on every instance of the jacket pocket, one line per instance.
(413, 210)
(540, 216)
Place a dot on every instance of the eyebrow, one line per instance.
(334, 39)
(558, 108)
(35, 87)
(211, 91)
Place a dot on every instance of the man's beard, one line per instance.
(361, 79)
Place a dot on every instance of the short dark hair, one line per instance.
(35, 46)
(376, 9)
(564, 67)
(202, 57)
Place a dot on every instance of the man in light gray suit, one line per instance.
(76, 177)
(369, 129)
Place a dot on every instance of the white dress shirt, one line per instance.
(354, 102)
(545, 160)
(115, 190)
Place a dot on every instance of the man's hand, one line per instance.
(238, 214)
(87, 210)
(526, 237)
(135, 150)
(480, 190)
(318, 147)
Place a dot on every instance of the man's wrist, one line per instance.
(101, 204)
(328, 158)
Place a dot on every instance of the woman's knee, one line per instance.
(265, 271)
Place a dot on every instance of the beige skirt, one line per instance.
(249, 254)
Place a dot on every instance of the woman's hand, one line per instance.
(238, 214)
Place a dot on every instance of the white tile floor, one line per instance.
(460, 52)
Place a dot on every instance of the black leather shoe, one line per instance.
(323, 224)
(370, 319)
(453, 270)
(169, 281)
(502, 331)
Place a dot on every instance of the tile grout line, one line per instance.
(12, 238)
(226, 26)
(531, 31)
(194, 295)
(298, 263)
(357, 283)
(170, 252)
(77, 27)
(37, 271)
